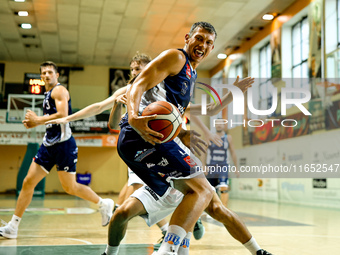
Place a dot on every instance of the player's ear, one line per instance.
(187, 37)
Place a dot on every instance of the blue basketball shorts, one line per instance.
(157, 165)
(64, 155)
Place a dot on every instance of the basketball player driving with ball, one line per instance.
(167, 168)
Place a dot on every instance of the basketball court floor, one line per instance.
(61, 224)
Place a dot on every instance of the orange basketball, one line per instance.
(168, 120)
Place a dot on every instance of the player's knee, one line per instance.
(205, 194)
(69, 189)
(218, 211)
(123, 213)
(28, 183)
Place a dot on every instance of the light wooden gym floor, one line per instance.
(67, 225)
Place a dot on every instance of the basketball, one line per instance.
(168, 121)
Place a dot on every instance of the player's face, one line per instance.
(200, 44)
(219, 127)
(49, 75)
(136, 68)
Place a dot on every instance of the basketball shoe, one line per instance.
(8, 231)
(159, 242)
(106, 210)
(198, 229)
(263, 252)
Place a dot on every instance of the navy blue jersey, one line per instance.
(55, 133)
(176, 89)
(218, 155)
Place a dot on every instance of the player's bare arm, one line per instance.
(169, 62)
(90, 110)
(61, 97)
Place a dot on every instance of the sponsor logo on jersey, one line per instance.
(188, 72)
(172, 238)
(140, 155)
(163, 162)
(149, 165)
(185, 243)
(184, 88)
(152, 193)
(218, 158)
(161, 174)
(190, 161)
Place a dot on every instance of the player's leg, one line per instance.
(143, 202)
(69, 184)
(34, 176)
(222, 189)
(234, 225)
(66, 157)
(197, 195)
(121, 196)
(224, 195)
(119, 222)
(132, 188)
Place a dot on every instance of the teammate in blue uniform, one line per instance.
(58, 148)
(170, 77)
(218, 162)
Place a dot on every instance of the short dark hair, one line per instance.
(205, 25)
(141, 58)
(49, 63)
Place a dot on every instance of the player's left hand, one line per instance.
(122, 99)
(30, 120)
(192, 140)
(216, 139)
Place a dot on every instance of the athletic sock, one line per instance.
(184, 248)
(165, 227)
(111, 250)
(173, 239)
(15, 221)
(100, 202)
(252, 246)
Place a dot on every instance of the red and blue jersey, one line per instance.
(176, 89)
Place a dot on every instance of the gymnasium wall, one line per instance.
(299, 174)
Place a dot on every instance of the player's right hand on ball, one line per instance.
(140, 125)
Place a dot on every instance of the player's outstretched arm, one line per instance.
(90, 110)
(213, 109)
(169, 62)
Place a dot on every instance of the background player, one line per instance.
(58, 148)
(218, 156)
